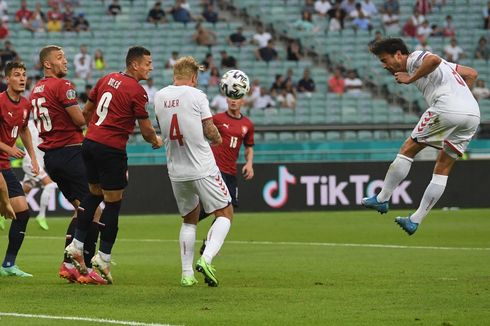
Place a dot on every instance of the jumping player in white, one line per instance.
(448, 124)
(187, 125)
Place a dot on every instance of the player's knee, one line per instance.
(111, 196)
(95, 189)
(225, 212)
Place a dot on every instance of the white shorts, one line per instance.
(211, 191)
(29, 177)
(447, 131)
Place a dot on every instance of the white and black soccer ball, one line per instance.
(234, 84)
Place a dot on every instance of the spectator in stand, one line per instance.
(81, 24)
(172, 60)
(69, 19)
(114, 8)
(393, 5)
(38, 20)
(336, 83)
(309, 6)
(267, 53)
(180, 12)
(322, 6)
(261, 38)
(287, 96)
(336, 17)
(480, 91)
(7, 54)
(413, 23)
(424, 31)
(377, 37)
(391, 22)
(453, 51)
(424, 6)
(227, 61)
(219, 103)
(449, 28)
(423, 46)
(486, 16)
(83, 97)
(277, 85)
(348, 6)
(263, 100)
(369, 8)
(294, 51)
(208, 60)
(4, 32)
(99, 61)
(209, 14)
(360, 19)
(23, 15)
(204, 76)
(4, 16)
(306, 84)
(482, 50)
(204, 36)
(305, 23)
(237, 39)
(254, 92)
(83, 63)
(353, 84)
(156, 15)
(150, 90)
(55, 19)
(214, 77)
(3, 84)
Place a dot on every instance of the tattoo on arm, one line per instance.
(211, 132)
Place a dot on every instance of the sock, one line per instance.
(398, 171)
(48, 191)
(85, 213)
(187, 240)
(90, 243)
(109, 221)
(432, 193)
(216, 236)
(69, 236)
(16, 237)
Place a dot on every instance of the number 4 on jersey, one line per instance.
(175, 130)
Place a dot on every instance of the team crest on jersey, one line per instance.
(71, 94)
(244, 130)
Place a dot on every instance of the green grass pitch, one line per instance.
(304, 268)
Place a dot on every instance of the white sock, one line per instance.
(187, 240)
(432, 193)
(78, 244)
(216, 236)
(48, 191)
(398, 171)
(105, 257)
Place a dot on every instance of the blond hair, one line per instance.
(186, 67)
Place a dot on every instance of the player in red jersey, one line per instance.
(113, 106)
(59, 120)
(14, 115)
(235, 129)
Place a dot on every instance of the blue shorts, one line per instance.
(65, 167)
(231, 183)
(107, 166)
(13, 184)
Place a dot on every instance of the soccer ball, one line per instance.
(234, 84)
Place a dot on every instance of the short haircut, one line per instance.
(14, 65)
(136, 53)
(186, 67)
(389, 45)
(45, 51)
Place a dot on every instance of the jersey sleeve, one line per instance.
(203, 104)
(140, 104)
(67, 95)
(92, 97)
(249, 136)
(27, 110)
(415, 60)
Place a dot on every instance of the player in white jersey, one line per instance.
(448, 124)
(187, 128)
(31, 180)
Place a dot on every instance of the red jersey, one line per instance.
(13, 116)
(233, 131)
(49, 99)
(120, 100)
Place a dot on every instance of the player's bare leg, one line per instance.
(187, 240)
(48, 191)
(432, 194)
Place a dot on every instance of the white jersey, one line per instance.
(444, 89)
(180, 111)
(36, 140)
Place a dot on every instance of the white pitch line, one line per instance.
(93, 320)
(297, 243)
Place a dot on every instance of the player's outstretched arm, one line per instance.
(76, 115)
(469, 74)
(429, 64)
(211, 132)
(88, 111)
(6, 209)
(25, 136)
(149, 134)
(13, 151)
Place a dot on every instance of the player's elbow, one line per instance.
(435, 60)
(472, 74)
